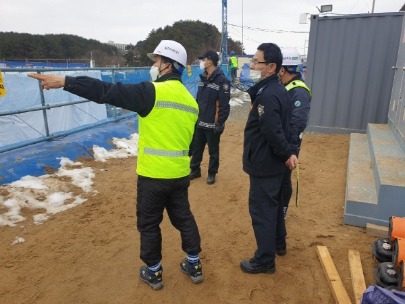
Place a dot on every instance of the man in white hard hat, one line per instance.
(291, 78)
(167, 116)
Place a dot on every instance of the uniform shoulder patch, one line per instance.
(297, 103)
(226, 87)
(260, 109)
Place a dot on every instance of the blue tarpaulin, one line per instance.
(378, 295)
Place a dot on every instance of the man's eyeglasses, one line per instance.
(254, 63)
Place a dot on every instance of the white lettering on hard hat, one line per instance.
(170, 49)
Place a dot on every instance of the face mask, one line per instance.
(256, 75)
(202, 65)
(154, 73)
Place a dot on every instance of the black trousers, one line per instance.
(287, 187)
(153, 196)
(200, 139)
(266, 211)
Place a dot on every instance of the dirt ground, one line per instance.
(90, 254)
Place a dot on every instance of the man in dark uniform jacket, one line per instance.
(213, 102)
(266, 154)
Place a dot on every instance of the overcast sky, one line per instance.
(128, 21)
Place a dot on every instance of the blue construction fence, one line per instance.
(43, 64)
(30, 115)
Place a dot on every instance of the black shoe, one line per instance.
(250, 266)
(154, 279)
(211, 178)
(281, 249)
(194, 270)
(195, 173)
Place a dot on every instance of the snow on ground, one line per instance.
(52, 193)
(125, 148)
(238, 97)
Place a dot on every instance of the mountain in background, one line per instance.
(56, 48)
(196, 36)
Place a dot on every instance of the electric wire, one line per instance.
(268, 30)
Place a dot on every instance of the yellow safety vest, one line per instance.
(297, 83)
(166, 132)
(234, 61)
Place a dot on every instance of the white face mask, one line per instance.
(202, 65)
(256, 75)
(154, 73)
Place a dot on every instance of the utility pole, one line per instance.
(372, 10)
(242, 28)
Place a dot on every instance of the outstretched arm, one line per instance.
(134, 97)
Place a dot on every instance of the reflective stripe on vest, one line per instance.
(296, 84)
(165, 153)
(174, 105)
(166, 132)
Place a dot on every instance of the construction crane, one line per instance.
(224, 41)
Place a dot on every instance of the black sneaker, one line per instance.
(281, 249)
(250, 266)
(154, 279)
(211, 178)
(194, 270)
(195, 173)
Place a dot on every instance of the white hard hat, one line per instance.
(291, 57)
(170, 49)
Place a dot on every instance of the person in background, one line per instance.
(167, 116)
(213, 101)
(233, 65)
(266, 153)
(291, 78)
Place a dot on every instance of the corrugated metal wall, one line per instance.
(349, 70)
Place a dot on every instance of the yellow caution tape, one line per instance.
(298, 184)
(2, 87)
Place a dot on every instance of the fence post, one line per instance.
(113, 81)
(41, 92)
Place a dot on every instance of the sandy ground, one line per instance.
(90, 254)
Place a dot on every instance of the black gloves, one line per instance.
(219, 129)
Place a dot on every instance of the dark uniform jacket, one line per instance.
(213, 99)
(301, 103)
(266, 148)
(139, 97)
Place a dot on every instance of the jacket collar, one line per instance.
(170, 76)
(253, 90)
(217, 71)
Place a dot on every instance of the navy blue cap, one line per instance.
(210, 55)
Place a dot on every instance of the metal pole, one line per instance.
(41, 92)
(242, 28)
(372, 10)
(113, 81)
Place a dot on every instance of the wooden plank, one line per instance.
(356, 272)
(376, 230)
(338, 290)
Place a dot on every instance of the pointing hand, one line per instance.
(49, 81)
